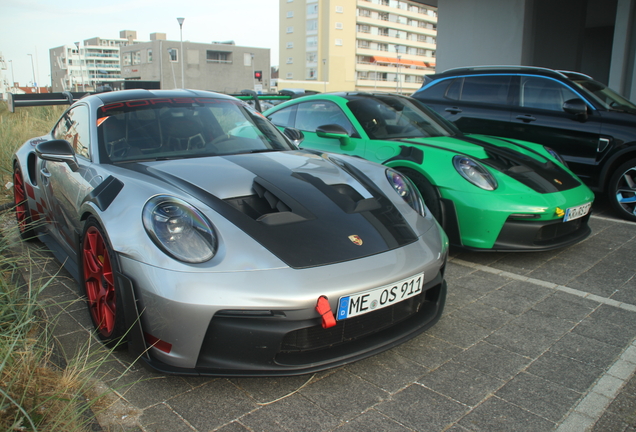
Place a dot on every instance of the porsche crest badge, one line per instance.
(356, 240)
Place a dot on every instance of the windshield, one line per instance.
(173, 128)
(607, 97)
(391, 117)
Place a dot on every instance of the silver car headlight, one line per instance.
(179, 229)
(474, 172)
(407, 190)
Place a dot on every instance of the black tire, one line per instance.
(21, 206)
(619, 190)
(431, 195)
(98, 267)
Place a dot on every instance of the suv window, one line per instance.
(543, 93)
(445, 89)
(490, 89)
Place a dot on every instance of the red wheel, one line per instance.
(100, 287)
(22, 213)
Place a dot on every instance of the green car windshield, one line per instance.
(392, 117)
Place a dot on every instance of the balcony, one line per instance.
(394, 25)
(382, 8)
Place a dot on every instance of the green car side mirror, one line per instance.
(337, 132)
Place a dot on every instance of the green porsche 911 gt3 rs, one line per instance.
(489, 193)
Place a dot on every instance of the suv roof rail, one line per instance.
(504, 67)
(576, 74)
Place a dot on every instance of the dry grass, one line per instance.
(15, 129)
(35, 395)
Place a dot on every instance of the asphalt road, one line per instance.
(528, 342)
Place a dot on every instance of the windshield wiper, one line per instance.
(623, 110)
(259, 151)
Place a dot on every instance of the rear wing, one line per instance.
(283, 95)
(67, 98)
(43, 99)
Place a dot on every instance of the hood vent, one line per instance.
(272, 206)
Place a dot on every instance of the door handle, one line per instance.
(46, 175)
(526, 118)
(453, 110)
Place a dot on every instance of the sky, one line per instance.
(35, 26)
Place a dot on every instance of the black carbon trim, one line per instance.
(321, 236)
(104, 194)
(524, 236)
(551, 177)
(240, 335)
(517, 166)
(132, 317)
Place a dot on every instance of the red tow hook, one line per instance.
(323, 308)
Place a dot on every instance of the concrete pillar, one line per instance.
(623, 66)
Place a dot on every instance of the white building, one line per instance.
(78, 67)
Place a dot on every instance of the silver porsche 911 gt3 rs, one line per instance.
(204, 239)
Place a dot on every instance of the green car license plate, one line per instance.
(577, 212)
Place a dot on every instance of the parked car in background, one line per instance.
(210, 243)
(489, 194)
(588, 124)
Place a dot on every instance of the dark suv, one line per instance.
(588, 124)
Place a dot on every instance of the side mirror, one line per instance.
(331, 131)
(57, 151)
(295, 135)
(576, 107)
(338, 132)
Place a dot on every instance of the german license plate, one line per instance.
(378, 298)
(577, 212)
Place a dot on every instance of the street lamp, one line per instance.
(324, 78)
(181, 20)
(33, 69)
(80, 62)
(253, 74)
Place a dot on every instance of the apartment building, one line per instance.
(362, 45)
(87, 66)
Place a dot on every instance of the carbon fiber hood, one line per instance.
(304, 208)
(512, 158)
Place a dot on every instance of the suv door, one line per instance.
(538, 116)
(476, 104)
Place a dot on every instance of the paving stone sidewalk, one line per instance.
(528, 342)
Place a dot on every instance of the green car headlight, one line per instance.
(555, 155)
(474, 172)
(179, 229)
(407, 190)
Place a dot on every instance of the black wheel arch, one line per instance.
(616, 160)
